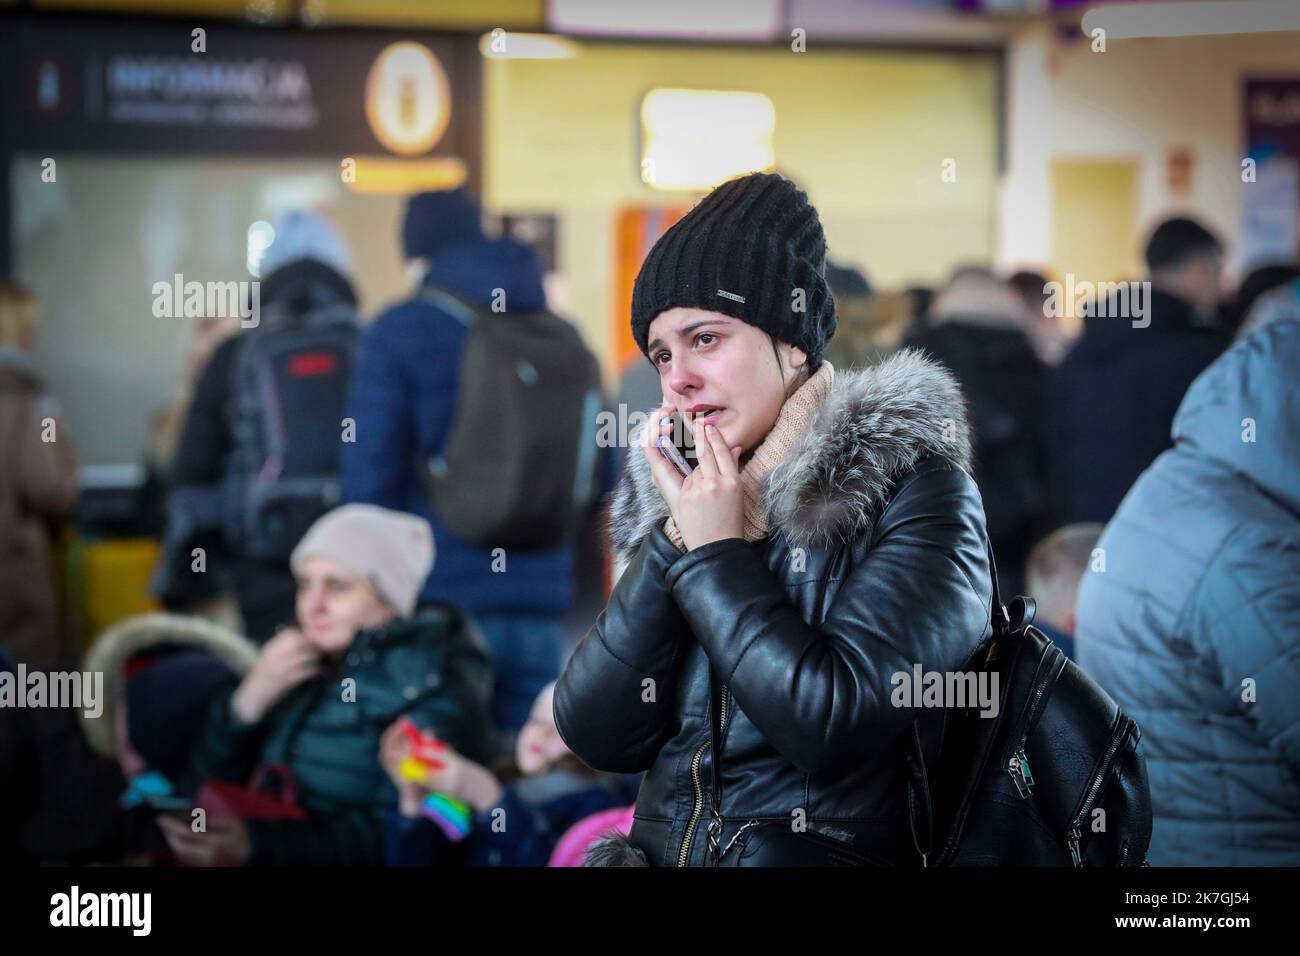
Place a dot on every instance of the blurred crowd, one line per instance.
(347, 672)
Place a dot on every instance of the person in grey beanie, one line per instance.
(321, 693)
(828, 536)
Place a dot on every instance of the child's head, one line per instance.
(539, 745)
(167, 692)
(1055, 570)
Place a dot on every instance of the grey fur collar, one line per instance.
(875, 425)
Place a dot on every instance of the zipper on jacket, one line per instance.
(1094, 788)
(698, 808)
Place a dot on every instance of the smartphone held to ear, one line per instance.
(674, 455)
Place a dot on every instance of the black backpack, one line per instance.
(289, 388)
(520, 462)
(1055, 779)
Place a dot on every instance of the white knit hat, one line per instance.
(390, 549)
(302, 234)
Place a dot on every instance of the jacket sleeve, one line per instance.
(604, 710)
(460, 711)
(45, 472)
(1247, 618)
(378, 464)
(822, 695)
(418, 842)
(205, 438)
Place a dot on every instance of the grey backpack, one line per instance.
(290, 384)
(520, 462)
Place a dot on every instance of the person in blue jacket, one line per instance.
(403, 402)
(1194, 625)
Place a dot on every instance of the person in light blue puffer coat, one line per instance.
(1194, 624)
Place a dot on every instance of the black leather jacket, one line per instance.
(878, 563)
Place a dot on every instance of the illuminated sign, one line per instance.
(408, 102)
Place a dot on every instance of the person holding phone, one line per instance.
(828, 537)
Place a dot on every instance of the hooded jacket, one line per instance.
(403, 399)
(876, 562)
(1194, 628)
(265, 588)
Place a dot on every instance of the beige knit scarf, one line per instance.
(792, 421)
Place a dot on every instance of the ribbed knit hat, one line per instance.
(747, 250)
(390, 549)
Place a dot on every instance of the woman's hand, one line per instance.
(711, 504)
(714, 505)
(286, 661)
(664, 473)
(226, 842)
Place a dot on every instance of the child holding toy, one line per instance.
(452, 811)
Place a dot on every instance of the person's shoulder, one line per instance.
(936, 488)
(935, 476)
(413, 314)
(436, 626)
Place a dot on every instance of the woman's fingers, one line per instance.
(724, 457)
(665, 474)
(704, 452)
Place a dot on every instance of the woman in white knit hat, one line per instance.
(321, 693)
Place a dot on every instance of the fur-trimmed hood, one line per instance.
(128, 637)
(874, 426)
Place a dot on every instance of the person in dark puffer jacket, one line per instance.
(1194, 628)
(321, 694)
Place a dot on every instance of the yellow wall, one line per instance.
(865, 133)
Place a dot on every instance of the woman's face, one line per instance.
(539, 744)
(721, 371)
(334, 603)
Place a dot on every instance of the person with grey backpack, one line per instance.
(476, 409)
(258, 459)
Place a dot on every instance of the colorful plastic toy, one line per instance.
(452, 816)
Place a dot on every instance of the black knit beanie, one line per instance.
(745, 250)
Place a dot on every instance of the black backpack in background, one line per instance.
(1055, 779)
(520, 464)
(289, 388)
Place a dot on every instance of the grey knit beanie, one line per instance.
(390, 549)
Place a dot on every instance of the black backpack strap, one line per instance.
(448, 302)
(920, 801)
